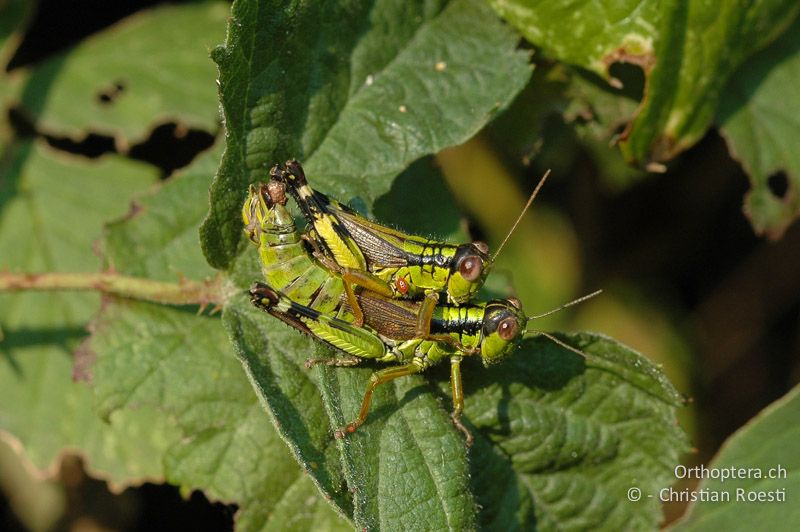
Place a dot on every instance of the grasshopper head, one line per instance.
(468, 270)
(503, 327)
(258, 209)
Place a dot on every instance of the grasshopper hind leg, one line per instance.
(377, 378)
(458, 398)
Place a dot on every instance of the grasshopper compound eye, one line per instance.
(470, 267)
(508, 328)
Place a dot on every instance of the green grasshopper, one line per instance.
(386, 261)
(490, 330)
(304, 294)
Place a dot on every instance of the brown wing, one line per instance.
(375, 242)
(392, 318)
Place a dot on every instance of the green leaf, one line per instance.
(434, 213)
(48, 223)
(273, 356)
(760, 118)
(44, 194)
(549, 423)
(226, 444)
(407, 465)
(158, 238)
(181, 364)
(687, 50)
(764, 444)
(148, 69)
(357, 101)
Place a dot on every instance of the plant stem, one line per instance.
(211, 292)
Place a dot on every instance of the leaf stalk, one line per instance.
(184, 292)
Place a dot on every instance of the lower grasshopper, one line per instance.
(386, 261)
(490, 330)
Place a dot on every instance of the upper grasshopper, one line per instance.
(384, 260)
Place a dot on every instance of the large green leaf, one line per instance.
(405, 467)
(49, 223)
(182, 364)
(688, 50)
(158, 238)
(760, 118)
(355, 101)
(152, 67)
(562, 440)
(761, 460)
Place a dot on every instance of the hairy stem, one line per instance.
(184, 292)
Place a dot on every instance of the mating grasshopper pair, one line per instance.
(374, 292)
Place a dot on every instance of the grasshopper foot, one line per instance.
(341, 432)
(460, 426)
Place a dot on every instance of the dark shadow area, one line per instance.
(32, 337)
(58, 25)
(148, 507)
(21, 123)
(163, 508)
(90, 505)
(169, 147)
(431, 214)
(8, 520)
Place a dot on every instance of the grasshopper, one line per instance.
(490, 330)
(306, 295)
(285, 256)
(386, 261)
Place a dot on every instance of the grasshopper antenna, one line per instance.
(521, 214)
(560, 343)
(565, 305)
(562, 307)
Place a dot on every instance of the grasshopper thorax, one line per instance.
(503, 327)
(468, 270)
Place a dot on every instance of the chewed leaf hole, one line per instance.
(92, 145)
(172, 146)
(111, 93)
(630, 77)
(778, 184)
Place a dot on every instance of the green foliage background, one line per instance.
(424, 114)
